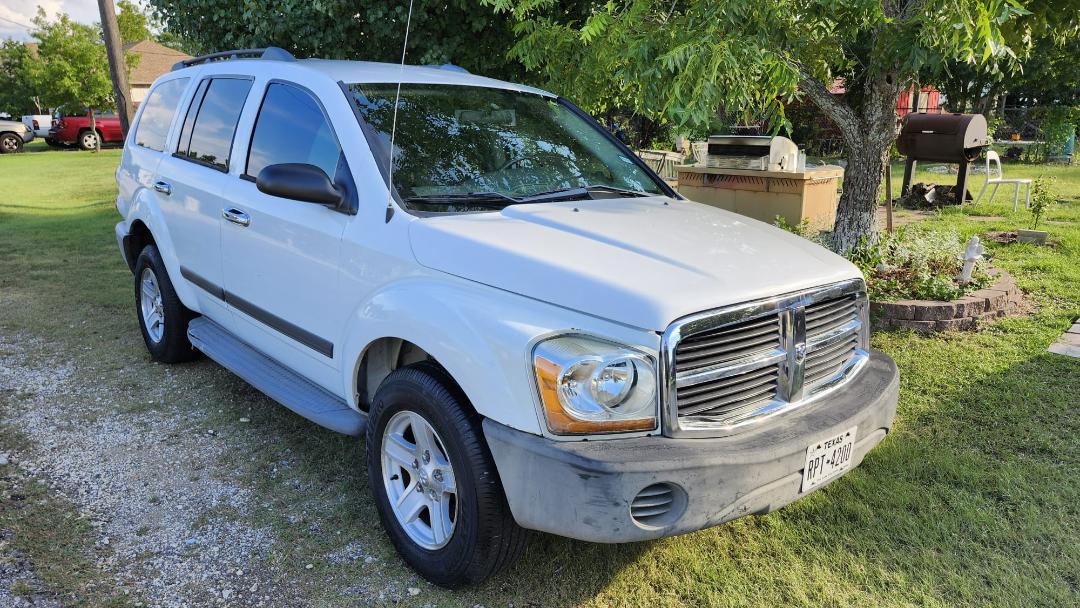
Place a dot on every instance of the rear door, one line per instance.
(190, 183)
(281, 261)
(149, 141)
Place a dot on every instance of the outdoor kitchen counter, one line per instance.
(763, 195)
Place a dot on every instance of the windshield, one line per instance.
(461, 143)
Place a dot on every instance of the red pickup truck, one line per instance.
(76, 130)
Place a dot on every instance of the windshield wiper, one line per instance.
(476, 199)
(578, 191)
(497, 200)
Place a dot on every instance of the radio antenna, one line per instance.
(393, 123)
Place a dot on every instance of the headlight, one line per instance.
(590, 386)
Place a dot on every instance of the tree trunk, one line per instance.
(857, 212)
(93, 129)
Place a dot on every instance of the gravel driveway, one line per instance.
(167, 486)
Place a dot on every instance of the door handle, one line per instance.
(236, 216)
(163, 187)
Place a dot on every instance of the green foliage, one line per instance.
(1043, 198)
(18, 95)
(687, 60)
(1059, 124)
(73, 71)
(132, 22)
(447, 31)
(801, 229)
(916, 264)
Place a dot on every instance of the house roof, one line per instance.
(154, 60)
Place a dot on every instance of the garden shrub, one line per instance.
(917, 264)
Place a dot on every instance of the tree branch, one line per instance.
(840, 113)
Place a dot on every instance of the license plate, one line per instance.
(828, 458)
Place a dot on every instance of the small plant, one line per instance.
(1042, 199)
(917, 264)
(802, 228)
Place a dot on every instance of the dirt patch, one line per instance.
(1002, 238)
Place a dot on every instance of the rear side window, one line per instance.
(157, 114)
(291, 128)
(211, 121)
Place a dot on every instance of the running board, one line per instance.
(275, 380)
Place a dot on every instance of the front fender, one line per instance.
(480, 334)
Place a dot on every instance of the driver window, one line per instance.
(291, 128)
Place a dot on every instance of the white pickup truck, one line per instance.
(529, 327)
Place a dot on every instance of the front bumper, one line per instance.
(584, 489)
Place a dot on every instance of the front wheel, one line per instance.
(434, 480)
(163, 319)
(10, 143)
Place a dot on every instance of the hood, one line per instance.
(636, 261)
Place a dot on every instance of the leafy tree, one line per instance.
(73, 71)
(442, 31)
(133, 23)
(1047, 42)
(687, 60)
(18, 94)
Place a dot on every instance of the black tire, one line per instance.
(87, 143)
(10, 143)
(486, 539)
(173, 345)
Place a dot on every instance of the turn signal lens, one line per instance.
(590, 386)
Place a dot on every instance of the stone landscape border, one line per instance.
(928, 316)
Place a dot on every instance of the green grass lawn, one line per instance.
(973, 500)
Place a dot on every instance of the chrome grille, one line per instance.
(825, 319)
(823, 363)
(830, 315)
(730, 367)
(736, 341)
(729, 394)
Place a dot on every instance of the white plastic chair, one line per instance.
(992, 156)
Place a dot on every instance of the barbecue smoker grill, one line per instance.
(943, 138)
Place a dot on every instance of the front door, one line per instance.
(281, 256)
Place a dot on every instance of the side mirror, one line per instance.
(298, 181)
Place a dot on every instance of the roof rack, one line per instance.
(270, 52)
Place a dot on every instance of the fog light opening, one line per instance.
(658, 505)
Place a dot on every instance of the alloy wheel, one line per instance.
(150, 306)
(419, 480)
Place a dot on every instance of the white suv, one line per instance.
(530, 328)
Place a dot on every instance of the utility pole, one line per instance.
(117, 65)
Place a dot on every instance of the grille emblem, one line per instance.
(800, 352)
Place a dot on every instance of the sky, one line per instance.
(16, 15)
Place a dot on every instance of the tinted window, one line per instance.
(291, 128)
(157, 114)
(215, 122)
(189, 118)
